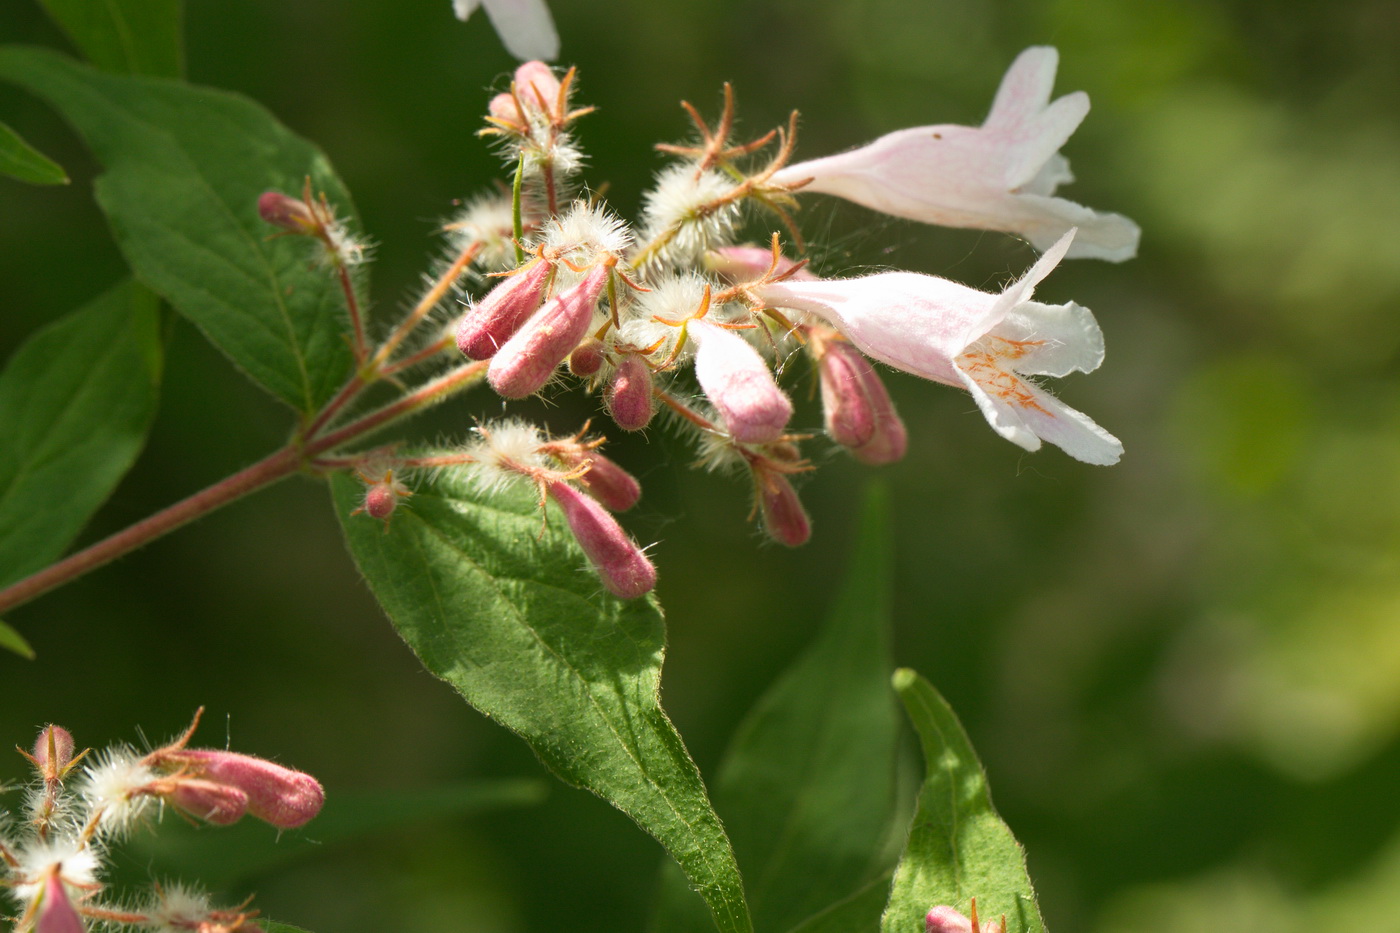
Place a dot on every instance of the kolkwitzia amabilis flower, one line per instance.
(525, 26)
(999, 176)
(987, 344)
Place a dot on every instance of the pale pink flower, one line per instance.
(999, 176)
(525, 26)
(739, 384)
(988, 344)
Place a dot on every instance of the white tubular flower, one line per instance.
(999, 176)
(525, 26)
(987, 344)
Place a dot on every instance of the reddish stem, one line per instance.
(427, 394)
(281, 464)
(352, 305)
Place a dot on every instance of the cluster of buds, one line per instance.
(80, 805)
(676, 316)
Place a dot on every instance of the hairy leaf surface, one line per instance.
(958, 847)
(517, 623)
(183, 169)
(76, 400)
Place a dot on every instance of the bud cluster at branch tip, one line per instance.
(679, 316)
(80, 806)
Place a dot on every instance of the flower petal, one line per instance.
(1025, 88)
(465, 8)
(1101, 235)
(1020, 291)
(1056, 339)
(1046, 418)
(525, 27)
(1028, 128)
(917, 323)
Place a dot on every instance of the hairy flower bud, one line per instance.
(624, 569)
(739, 384)
(527, 360)
(587, 359)
(610, 484)
(53, 751)
(289, 213)
(56, 911)
(858, 411)
(496, 317)
(748, 263)
(628, 395)
(280, 796)
(784, 518)
(220, 804)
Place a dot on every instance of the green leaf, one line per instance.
(140, 37)
(272, 926)
(807, 787)
(184, 167)
(20, 160)
(251, 848)
(513, 619)
(11, 640)
(76, 401)
(958, 847)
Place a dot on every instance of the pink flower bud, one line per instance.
(586, 359)
(56, 911)
(277, 795)
(624, 569)
(610, 484)
(380, 502)
(289, 213)
(739, 384)
(537, 86)
(946, 920)
(784, 519)
(220, 804)
(859, 412)
(495, 319)
(628, 396)
(747, 263)
(527, 360)
(502, 107)
(53, 751)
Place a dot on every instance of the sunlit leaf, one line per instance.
(140, 37)
(20, 160)
(958, 846)
(184, 167)
(508, 614)
(76, 400)
(806, 788)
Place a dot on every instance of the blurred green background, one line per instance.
(1183, 672)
